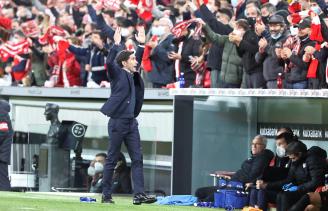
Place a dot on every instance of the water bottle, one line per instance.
(326, 179)
(279, 81)
(87, 199)
(181, 80)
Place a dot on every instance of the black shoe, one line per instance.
(140, 198)
(107, 199)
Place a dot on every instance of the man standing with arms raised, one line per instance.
(123, 106)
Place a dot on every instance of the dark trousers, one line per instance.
(4, 179)
(206, 193)
(261, 198)
(126, 130)
(254, 80)
(286, 199)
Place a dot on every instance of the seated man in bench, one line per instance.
(250, 170)
(277, 170)
(305, 175)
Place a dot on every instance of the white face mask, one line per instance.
(274, 2)
(99, 167)
(158, 30)
(234, 3)
(125, 32)
(293, 30)
(91, 171)
(281, 152)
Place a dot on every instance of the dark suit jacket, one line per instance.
(117, 105)
(6, 133)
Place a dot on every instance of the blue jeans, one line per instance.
(297, 85)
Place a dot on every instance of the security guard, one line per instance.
(6, 137)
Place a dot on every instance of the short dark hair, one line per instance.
(296, 147)
(226, 11)
(123, 56)
(243, 24)
(101, 154)
(289, 137)
(286, 129)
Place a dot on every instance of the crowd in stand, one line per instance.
(209, 43)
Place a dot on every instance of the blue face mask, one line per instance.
(234, 3)
(316, 10)
(158, 30)
(276, 36)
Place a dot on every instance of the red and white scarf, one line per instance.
(12, 50)
(48, 37)
(180, 27)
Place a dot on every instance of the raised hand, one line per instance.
(141, 36)
(117, 36)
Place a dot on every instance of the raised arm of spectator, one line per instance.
(141, 38)
(78, 51)
(211, 20)
(322, 4)
(213, 37)
(77, 17)
(26, 3)
(39, 6)
(113, 69)
(100, 22)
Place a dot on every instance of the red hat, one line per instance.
(5, 23)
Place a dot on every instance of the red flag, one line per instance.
(198, 4)
(144, 9)
(30, 28)
(111, 4)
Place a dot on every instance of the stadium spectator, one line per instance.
(95, 171)
(162, 67)
(231, 69)
(219, 23)
(272, 65)
(49, 63)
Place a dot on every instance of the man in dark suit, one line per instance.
(6, 137)
(123, 106)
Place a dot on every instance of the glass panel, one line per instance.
(222, 130)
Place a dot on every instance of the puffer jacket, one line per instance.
(231, 68)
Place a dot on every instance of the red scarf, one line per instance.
(11, 50)
(180, 27)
